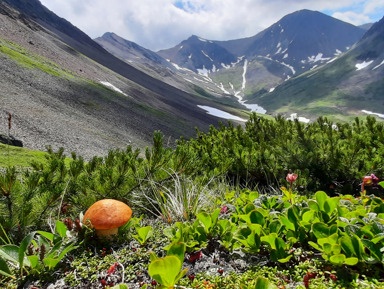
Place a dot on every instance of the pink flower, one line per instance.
(370, 180)
(375, 179)
(291, 177)
(224, 210)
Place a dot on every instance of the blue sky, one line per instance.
(159, 24)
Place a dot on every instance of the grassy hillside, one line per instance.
(337, 91)
(19, 157)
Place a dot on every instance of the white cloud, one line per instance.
(157, 24)
(352, 17)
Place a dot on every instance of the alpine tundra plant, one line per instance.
(207, 213)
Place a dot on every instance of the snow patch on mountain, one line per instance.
(180, 68)
(206, 55)
(318, 57)
(373, 113)
(338, 52)
(203, 71)
(225, 65)
(360, 66)
(219, 113)
(111, 86)
(290, 67)
(244, 73)
(377, 66)
(223, 89)
(239, 59)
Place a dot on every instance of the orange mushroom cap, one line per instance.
(107, 214)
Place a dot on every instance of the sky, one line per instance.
(161, 24)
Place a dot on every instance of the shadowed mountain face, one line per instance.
(65, 90)
(129, 51)
(352, 83)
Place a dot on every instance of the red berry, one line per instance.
(191, 277)
(333, 277)
(221, 271)
(103, 282)
(153, 283)
(134, 249)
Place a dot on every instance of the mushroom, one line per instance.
(106, 216)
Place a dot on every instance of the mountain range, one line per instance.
(350, 85)
(273, 67)
(66, 89)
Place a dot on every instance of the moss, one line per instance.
(30, 60)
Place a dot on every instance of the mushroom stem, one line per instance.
(107, 233)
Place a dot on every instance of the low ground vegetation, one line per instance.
(277, 204)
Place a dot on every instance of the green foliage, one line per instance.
(327, 156)
(52, 249)
(167, 271)
(143, 234)
(181, 184)
(260, 283)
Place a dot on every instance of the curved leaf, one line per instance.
(61, 229)
(23, 247)
(337, 259)
(165, 270)
(10, 253)
(4, 269)
(178, 250)
(320, 230)
(321, 197)
(263, 283)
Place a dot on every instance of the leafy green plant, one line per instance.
(168, 270)
(185, 233)
(260, 283)
(143, 234)
(249, 238)
(52, 248)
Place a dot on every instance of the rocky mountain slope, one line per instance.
(64, 89)
(299, 41)
(351, 85)
(153, 64)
